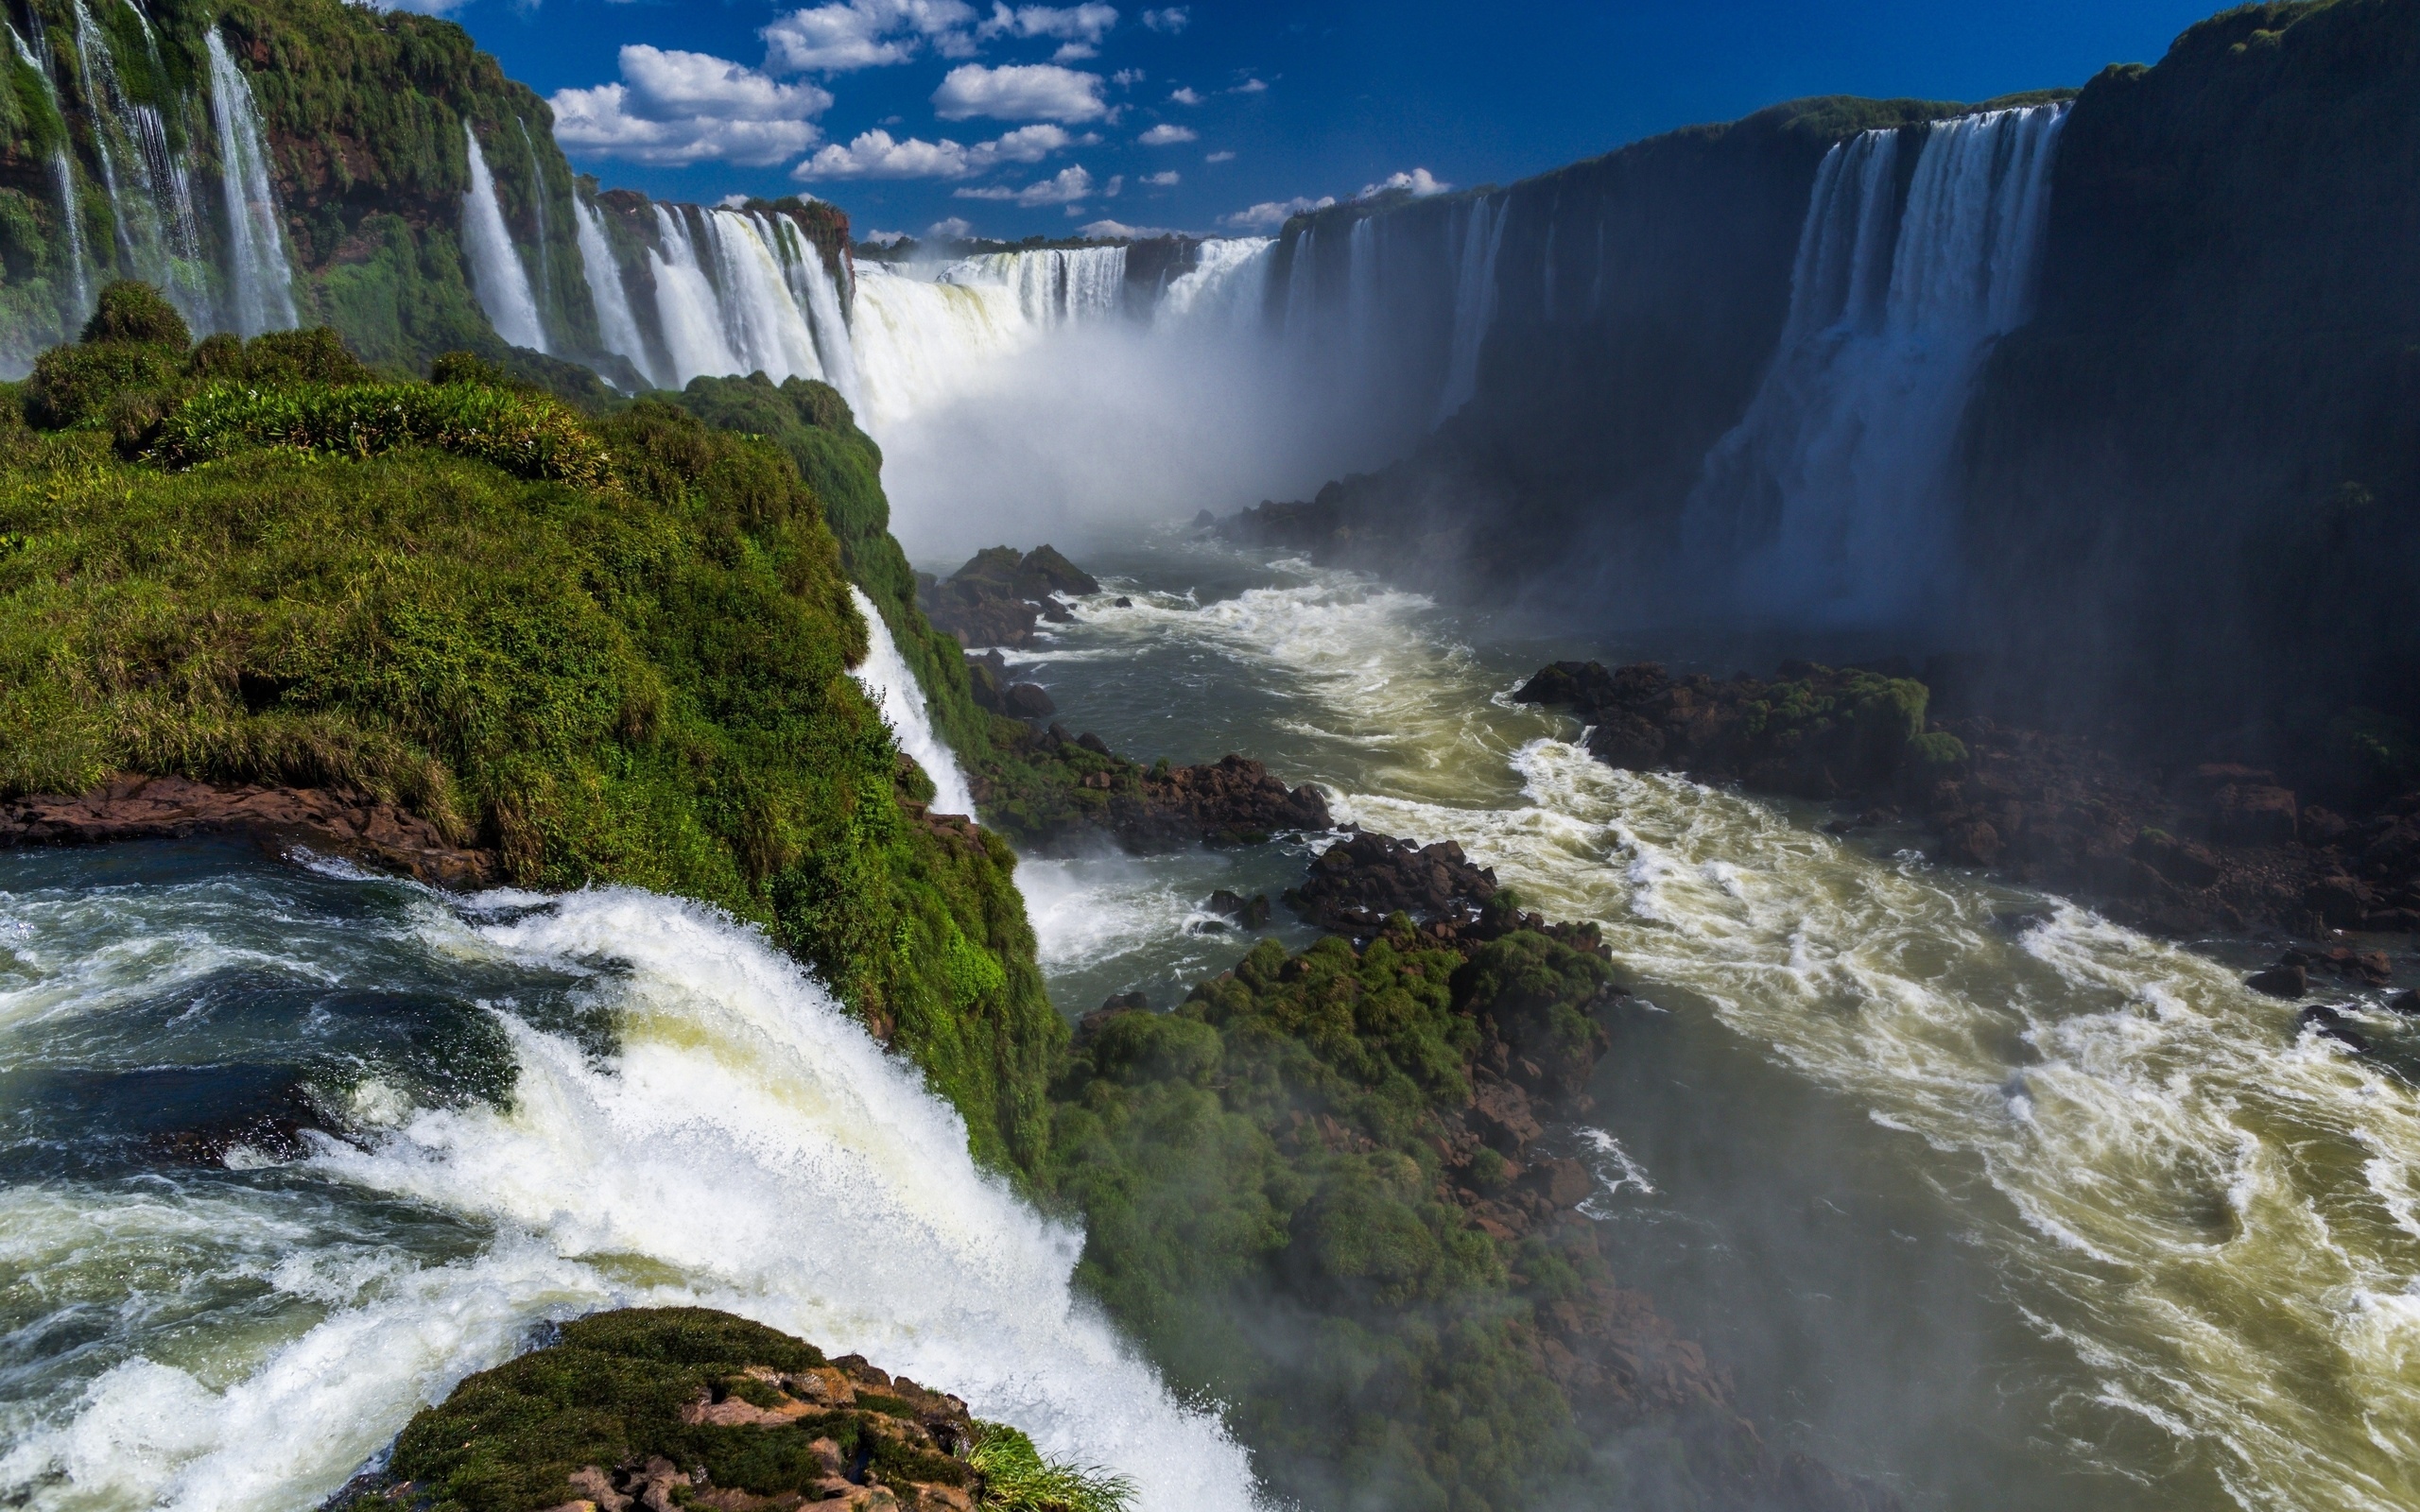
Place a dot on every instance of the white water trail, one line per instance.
(1829, 497)
(616, 325)
(62, 178)
(1227, 286)
(538, 211)
(745, 1145)
(158, 236)
(1055, 286)
(921, 343)
(259, 277)
(812, 286)
(496, 274)
(1475, 300)
(892, 686)
(687, 310)
(765, 329)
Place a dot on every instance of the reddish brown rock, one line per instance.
(332, 821)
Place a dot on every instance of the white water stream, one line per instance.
(496, 274)
(895, 690)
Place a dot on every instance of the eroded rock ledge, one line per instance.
(335, 821)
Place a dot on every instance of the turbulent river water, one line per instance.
(1972, 1191)
(1975, 1192)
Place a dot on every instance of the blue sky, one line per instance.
(1216, 116)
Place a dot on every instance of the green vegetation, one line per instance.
(616, 1388)
(630, 673)
(1265, 1177)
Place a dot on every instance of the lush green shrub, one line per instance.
(131, 311)
(526, 436)
(1017, 1479)
(75, 385)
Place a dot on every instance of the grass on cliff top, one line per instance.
(610, 1392)
(636, 681)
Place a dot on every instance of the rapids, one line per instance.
(517, 1110)
(1978, 1192)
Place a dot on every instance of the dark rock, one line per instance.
(1204, 520)
(1253, 912)
(996, 598)
(2324, 827)
(1059, 735)
(1123, 603)
(1564, 1183)
(2337, 899)
(2253, 813)
(1026, 700)
(1354, 885)
(2333, 1024)
(2286, 982)
(986, 681)
(1231, 801)
(1092, 743)
(2181, 861)
(2405, 1002)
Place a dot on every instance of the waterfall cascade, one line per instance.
(615, 321)
(158, 233)
(1475, 297)
(496, 274)
(1055, 286)
(1227, 285)
(1829, 489)
(36, 55)
(891, 685)
(260, 281)
(538, 210)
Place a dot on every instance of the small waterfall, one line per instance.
(888, 681)
(62, 177)
(1303, 287)
(1828, 494)
(538, 209)
(1227, 285)
(496, 274)
(616, 322)
(158, 236)
(686, 307)
(812, 286)
(1474, 264)
(258, 275)
(1361, 292)
(765, 330)
(1051, 287)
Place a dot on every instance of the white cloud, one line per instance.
(1420, 182)
(956, 228)
(1270, 213)
(1171, 20)
(1119, 230)
(733, 201)
(1165, 136)
(1083, 23)
(883, 238)
(1127, 78)
(878, 155)
(1250, 86)
(1019, 91)
(1065, 187)
(677, 108)
(1187, 96)
(1219, 157)
(867, 34)
(1161, 180)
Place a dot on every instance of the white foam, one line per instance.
(887, 680)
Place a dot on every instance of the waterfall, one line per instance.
(1474, 264)
(1303, 286)
(1051, 287)
(1829, 493)
(258, 276)
(496, 274)
(686, 307)
(158, 236)
(888, 681)
(62, 178)
(1227, 284)
(920, 342)
(538, 209)
(812, 284)
(1361, 291)
(615, 324)
(765, 329)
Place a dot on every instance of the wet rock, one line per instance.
(1026, 700)
(998, 597)
(2286, 982)
(1122, 602)
(2337, 901)
(1356, 884)
(2405, 1002)
(1233, 800)
(2368, 966)
(2180, 862)
(2254, 814)
(1092, 743)
(1251, 912)
(332, 821)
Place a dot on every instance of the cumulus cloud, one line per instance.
(1065, 187)
(1127, 78)
(956, 228)
(877, 154)
(1171, 20)
(676, 108)
(883, 238)
(1187, 96)
(1165, 136)
(1162, 180)
(1077, 29)
(1019, 91)
(1119, 230)
(1250, 86)
(830, 39)
(1219, 157)
(1419, 184)
(1270, 213)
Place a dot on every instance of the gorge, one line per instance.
(499, 825)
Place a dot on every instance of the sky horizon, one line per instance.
(924, 115)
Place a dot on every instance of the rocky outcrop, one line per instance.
(332, 821)
(1233, 800)
(998, 597)
(667, 1409)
